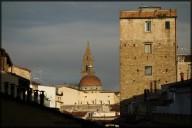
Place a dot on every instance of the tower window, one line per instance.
(148, 26)
(148, 70)
(86, 67)
(167, 25)
(148, 48)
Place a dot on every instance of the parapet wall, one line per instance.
(148, 14)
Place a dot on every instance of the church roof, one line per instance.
(90, 80)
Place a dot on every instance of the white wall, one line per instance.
(50, 93)
(96, 98)
(72, 96)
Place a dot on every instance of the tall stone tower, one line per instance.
(148, 48)
(87, 63)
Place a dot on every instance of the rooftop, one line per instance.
(180, 84)
(148, 12)
(149, 8)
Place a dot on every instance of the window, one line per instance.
(86, 68)
(167, 25)
(148, 48)
(148, 70)
(148, 26)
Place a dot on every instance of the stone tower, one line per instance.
(87, 63)
(148, 48)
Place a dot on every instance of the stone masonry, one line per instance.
(133, 57)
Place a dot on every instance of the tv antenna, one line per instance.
(183, 49)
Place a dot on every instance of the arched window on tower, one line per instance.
(86, 68)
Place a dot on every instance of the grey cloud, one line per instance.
(55, 36)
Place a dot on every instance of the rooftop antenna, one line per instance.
(183, 49)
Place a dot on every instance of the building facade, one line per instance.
(184, 65)
(10, 80)
(6, 62)
(89, 95)
(23, 72)
(148, 48)
(48, 91)
(50, 94)
(73, 99)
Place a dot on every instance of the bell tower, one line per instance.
(87, 62)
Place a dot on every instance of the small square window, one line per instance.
(148, 48)
(167, 25)
(148, 26)
(148, 70)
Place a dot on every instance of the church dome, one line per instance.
(90, 80)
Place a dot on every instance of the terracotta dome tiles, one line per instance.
(90, 80)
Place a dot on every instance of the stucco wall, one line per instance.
(20, 72)
(77, 97)
(97, 98)
(50, 93)
(70, 96)
(184, 67)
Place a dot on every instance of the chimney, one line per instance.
(182, 76)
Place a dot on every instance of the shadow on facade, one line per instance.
(170, 106)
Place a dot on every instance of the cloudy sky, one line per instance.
(51, 37)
